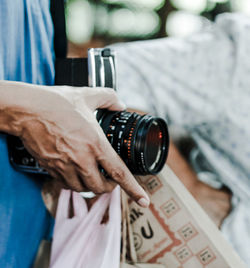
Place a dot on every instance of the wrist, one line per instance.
(19, 103)
(9, 122)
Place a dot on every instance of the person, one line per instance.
(201, 85)
(57, 126)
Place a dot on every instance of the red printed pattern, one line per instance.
(176, 242)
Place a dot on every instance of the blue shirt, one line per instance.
(26, 54)
(26, 41)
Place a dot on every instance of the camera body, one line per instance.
(141, 141)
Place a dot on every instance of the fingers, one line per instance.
(69, 178)
(104, 98)
(118, 171)
(73, 177)
(94, 180)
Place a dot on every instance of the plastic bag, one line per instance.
(83, 241)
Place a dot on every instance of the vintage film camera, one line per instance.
(141, 141)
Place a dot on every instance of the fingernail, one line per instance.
(143, 202)
(123, 105)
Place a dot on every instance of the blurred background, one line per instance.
(96, 23)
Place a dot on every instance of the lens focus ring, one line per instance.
(141, 141)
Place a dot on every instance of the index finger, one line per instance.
(119, 172)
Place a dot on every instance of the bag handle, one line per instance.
(62, 211)
(79, 205)
(114, 210)
(80, 208)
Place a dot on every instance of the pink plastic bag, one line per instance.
(82, 241)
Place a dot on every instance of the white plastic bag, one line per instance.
(82, 241)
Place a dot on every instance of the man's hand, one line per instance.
(59, 128)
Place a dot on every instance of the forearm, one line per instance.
(182, 169)
(217, 203)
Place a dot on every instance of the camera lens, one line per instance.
(141, 141)
(153, 145)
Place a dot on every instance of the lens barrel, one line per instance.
(141, 141)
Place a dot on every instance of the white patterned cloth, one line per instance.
(202, 84)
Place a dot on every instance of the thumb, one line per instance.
(105, 98)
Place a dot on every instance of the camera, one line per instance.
(142, 141)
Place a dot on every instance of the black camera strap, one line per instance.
(68, 71)
(71, 72)
(58, 17)
(74, 71)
